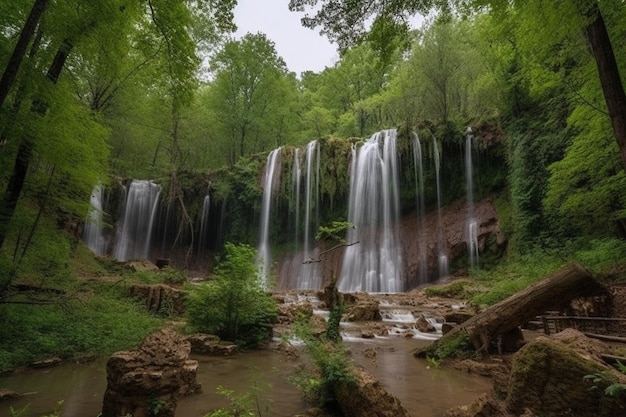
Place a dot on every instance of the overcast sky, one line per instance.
(302, 49)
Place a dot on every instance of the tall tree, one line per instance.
(26, 35)
(248, 88)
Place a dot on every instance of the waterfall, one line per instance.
(296, 175)
(421, 208)
(308, 275)
(442, 256)
(134, 231)
(264, 256)
(375, 263)
(92, 232)
(472, 226)
(204, 223)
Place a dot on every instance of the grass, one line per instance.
(519, 272)
(97, 326)
(89, 315)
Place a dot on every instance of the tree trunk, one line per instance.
(608, 71)
(570, 282)
(25, 150)
(15, 61)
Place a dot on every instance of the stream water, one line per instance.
(424, 391)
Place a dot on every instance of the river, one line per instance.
(425, 391)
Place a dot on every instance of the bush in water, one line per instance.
(233, 305)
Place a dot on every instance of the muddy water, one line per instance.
(424, 392)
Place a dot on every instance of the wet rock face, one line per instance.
(148, 381)
(414, 232)
(453, 220)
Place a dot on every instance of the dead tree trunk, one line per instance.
(570, 282)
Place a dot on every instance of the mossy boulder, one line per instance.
(563, 376)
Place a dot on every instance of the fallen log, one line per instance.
(570, 282)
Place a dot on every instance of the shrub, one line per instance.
(233, 305)
(331, 362)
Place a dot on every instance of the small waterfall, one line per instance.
(204, 223)
(472, 226)
(271, 168)
(308, 276)
(92, 231)
(375, 263)
(296, 176)
(134, 232)
(421, 208)
(442, 256)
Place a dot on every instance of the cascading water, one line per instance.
(134, 232)
(421, 208)
(472, 226)
(92, 232)
(308, 275)
(296, 175)
(374, 264)
(204, 223)
(264, 256)
(442, 253)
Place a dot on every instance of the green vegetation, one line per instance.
(233, 305)
(458, 347)
(461, 288)
(21, 412)
(599, 256)
(333, 233)
(253, 403)
(34, 316)
(331, 360)
(113, 89)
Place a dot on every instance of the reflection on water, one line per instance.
(424, 392)
(239, 373)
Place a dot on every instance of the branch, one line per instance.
(319, 259)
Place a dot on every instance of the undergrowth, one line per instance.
(82, 315)
(89, 325)
(520, 271)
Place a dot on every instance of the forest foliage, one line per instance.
(158, 89)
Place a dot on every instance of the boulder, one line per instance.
(563, 376)
(288, 313)
(149, 380)
(424, 325)
(207, 344)
(364, 396)
(558, 376)
(6, 394)
(365, 310)
(142, 265)
(484, 406)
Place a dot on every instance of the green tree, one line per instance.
(249, 96)
(343, 21)
(233, 304)
(106, 45)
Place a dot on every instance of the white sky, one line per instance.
(302, 49)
